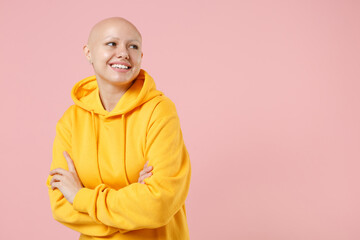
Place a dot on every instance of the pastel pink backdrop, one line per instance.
(267, 93)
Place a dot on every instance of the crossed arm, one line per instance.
(103, 211)
(65, 184)
(69, 184)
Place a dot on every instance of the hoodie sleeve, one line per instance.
(62, 210)
(153, 204)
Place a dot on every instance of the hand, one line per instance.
(67, 182)
(145, 173)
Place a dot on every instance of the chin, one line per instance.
(122, 81)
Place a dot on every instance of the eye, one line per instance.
(112, 44)
(134, 46)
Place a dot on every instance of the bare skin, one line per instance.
(113, 40)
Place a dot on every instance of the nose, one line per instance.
(122, 52)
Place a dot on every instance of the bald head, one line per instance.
(106, 26)
(112, 42)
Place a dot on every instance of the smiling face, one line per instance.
(114, 49)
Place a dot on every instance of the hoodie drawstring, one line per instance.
(123, 145)
(96, 143)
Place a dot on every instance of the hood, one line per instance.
(85, 94)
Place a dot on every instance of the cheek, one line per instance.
(102, 57)
(106, 56)
(137, 64)
(136, 59)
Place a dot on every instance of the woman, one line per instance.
(118, 125)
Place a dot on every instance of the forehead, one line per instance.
(117, 29)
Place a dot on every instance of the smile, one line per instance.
(120, 66)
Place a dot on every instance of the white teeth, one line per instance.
(119, 66)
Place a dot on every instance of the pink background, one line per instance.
(267, 93)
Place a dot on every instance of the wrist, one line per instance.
(71, 200)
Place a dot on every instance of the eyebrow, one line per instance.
(131, 40)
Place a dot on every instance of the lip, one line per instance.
(122, 63)
(120, 69)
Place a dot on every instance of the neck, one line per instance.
(110, 94)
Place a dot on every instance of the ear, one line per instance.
(87, 53)
(142, 54)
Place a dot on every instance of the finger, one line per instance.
(146, 170)
(146, 176)
(146, 164)
(142, 178)
(56, 178)
(60, 171)
(142, 181)
(55, 185)
(69, 162)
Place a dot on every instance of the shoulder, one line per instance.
(164, 115)
(67, 117)
(163, 106)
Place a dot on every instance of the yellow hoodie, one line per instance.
(109, 149)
